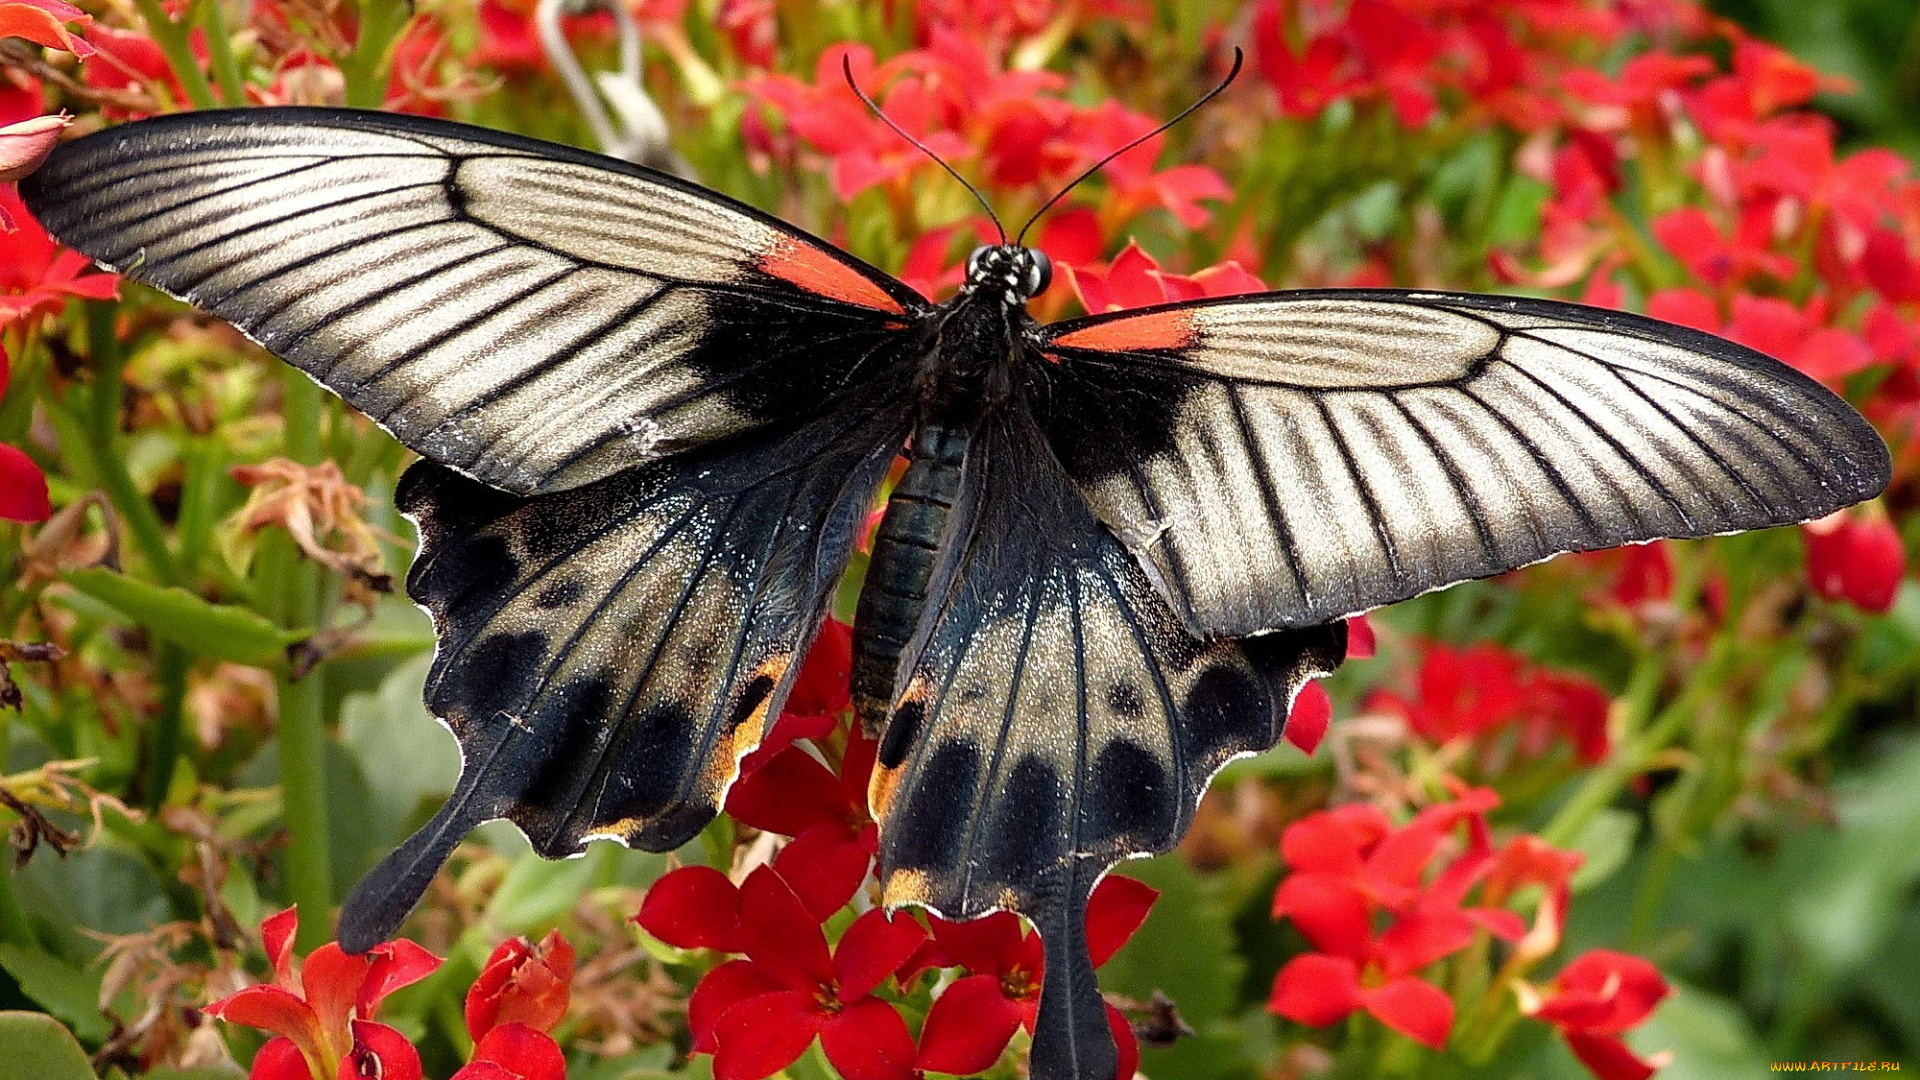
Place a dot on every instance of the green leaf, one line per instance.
(35, 1046)
(1709, 1036)
(220, 631)
(66, 991)
(408, 759)
(1185, 950)
(1606, 842)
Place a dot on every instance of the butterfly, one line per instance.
(652, 421)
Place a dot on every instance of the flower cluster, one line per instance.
(1385, 907)
(322, 1011)
(1487, 695)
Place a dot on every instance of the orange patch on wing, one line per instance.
(1159, 330)
(723, 765)
(905, 887)
(817, 272)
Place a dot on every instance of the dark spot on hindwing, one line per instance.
(1227, 699)
(751, 698)
(1124, 699)
(1131, 797)
(467, 576)
(560, 594)
(1028, 836)
(902, 731)
(496, 674)
(929, 837)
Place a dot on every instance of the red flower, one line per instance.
(756, 1016)
(834, 840)
(509, 41)
(832, 119)
(1792, 335)
(522, 983)
(43, 22)
(1592, 1001)
(1471, 693)
(37, 275)
(1857, 558)
(1349, 868)
(1720, 259)
(1135, 280)
(972, 1021)
(323, 1013)
(515, 1052)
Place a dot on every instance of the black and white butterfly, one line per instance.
(653, 420)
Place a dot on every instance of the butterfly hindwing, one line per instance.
(1056, 719)
(608, 654)
(1288, 458)
(533, 316)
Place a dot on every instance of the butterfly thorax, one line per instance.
(967, 373)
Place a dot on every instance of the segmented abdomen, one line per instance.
(906, 551)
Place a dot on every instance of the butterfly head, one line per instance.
(1017, 273)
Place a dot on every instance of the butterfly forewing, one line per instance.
(1057, 719)
(608, 654)
(1284, 459)
(532, 316)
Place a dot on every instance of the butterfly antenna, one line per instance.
(846, 65)
(1239, 58)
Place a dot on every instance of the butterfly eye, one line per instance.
(973, 260)
(1039, 273)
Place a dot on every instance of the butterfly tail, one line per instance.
(381, 901)
(1072, 1039)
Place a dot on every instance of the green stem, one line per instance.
(103, 437)
(163, 735)
(174, 45)
(294, 586)
(226, 72)
(1606, 783)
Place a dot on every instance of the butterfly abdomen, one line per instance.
(906, 551)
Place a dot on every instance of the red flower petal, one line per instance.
(825, 867)
(1310, 717)
(821, 689)
(280, 1059)
(1115, 910)
(694, 907)
(379, 1050)
(872, 948)
(968, 1027)
(277, 933)
(781, 934)
(1316, 990)
(1608, 1058)
(763, 1035)
(394, 965)
(720, 990)
(1603, 990)
(1126, 1042)
(270, 1008)
(1416, 1009)
(41, 23)
(989, 945)
(1329, 911)
(1360, 638)
(868, 1041)
(528, 1054)
(522, 983)
(23, 487)
(789, 794)
(1424, 937)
